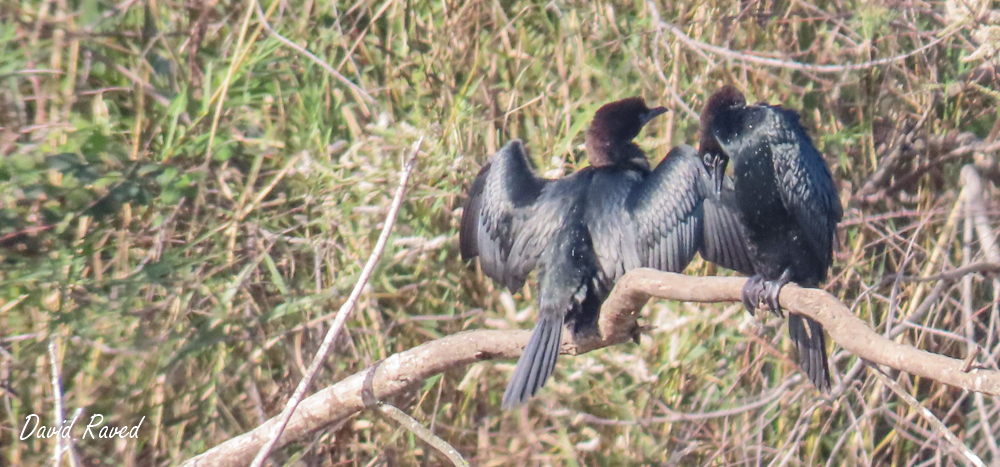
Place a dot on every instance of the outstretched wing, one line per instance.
(667, 211)
(725, 239)
(496, 221)
(611, 228)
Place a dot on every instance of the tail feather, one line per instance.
(811, 346)
(537, 362)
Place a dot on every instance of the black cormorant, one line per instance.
(787, 203)
(585, 230)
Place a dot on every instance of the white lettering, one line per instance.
(134, 432)
(67, 430)
(92, 424)
(26, 421)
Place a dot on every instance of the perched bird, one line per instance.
(787, 204)
(585, 230)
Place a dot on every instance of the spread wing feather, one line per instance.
(667, 210)
(725, 241)
(496, 221)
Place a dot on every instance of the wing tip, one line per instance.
(468, 233)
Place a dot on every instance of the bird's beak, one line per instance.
(645, 117)
(716, 166)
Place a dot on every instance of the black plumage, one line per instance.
(587, 229)
(787, 202)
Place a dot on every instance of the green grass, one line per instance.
(183, 197)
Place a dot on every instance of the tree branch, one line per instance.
(342, 314)
(616, 325)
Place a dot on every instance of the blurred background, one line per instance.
(187, 197)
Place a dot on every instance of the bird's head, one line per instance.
(712, 155)
(609, 138)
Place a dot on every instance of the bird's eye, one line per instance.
(708, 159)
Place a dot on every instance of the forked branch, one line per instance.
(617, 325)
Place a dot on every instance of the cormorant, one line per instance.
(788, 205)
(585, 230)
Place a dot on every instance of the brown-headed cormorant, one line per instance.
(585, 230)
(788, 205)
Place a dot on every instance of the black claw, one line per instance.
(750, 307)
(752, 291)
(773, 289)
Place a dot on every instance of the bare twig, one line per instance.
(64, 446)
(951, 275)
(974, 197)
(57, 396)
(33, 71)
(385, 378)
(876, 188)
(938, 426)
(358, 92)
(343, 313)
(422, 432)
(674, 417)
(788, 64)
(221, 92)
(394, 413)
(971, 358)
(616, 325)
(970, 326)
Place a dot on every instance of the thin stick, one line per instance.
(343, 313)
(969, 325)
(957, 273)
(57, 395)
(358, 92)
(941, 429)
(422, 432)
(972, 195)
(788, 64)
(971, 358)
(674, 417)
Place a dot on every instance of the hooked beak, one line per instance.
(716, 165)
(645, 117)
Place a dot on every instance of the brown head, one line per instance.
(726, 98)
(709, 150)
(609, 138)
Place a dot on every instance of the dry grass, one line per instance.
(185, 200)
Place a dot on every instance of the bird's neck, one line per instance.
(622, 155)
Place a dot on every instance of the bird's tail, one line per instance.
(811, 345)
(538, 360)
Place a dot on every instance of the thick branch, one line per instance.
(844, 328)
(617, 325)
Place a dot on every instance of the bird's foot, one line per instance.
(752, 292)
(757, 290)
(773, 288)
